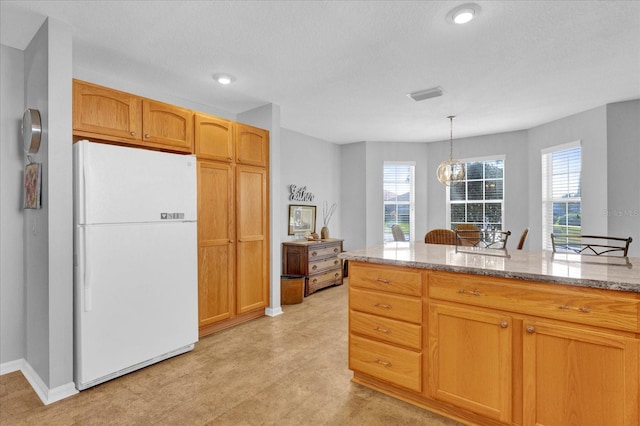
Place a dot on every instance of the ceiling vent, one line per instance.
(426, 94)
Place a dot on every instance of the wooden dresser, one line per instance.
(316, 260)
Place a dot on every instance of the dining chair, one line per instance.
(398, 234)
(440, 236)
(591, 244)
(467, 234)
(522, 238)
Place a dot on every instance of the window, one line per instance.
(479, 199)
(398, 196)
(561, 192)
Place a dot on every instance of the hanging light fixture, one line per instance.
(451, 170)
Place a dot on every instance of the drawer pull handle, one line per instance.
(314, 267)
(382, 330)
(315, 280)
(583, 309)
(504, 324)
(314, 253)
(530, 329)
(337, 274)
(385, 306)
(383, 281)
(132, 133)
(471, 292)
(336, 250)
(146, 135)
(335, 262)
(385, 363)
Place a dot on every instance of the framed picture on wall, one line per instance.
(33, 186)
(301, 219)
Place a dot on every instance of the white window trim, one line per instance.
(504, 187)
(412, 195)
(546, 186)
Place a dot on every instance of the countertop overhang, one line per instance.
(605, 272)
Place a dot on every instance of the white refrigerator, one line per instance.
(135, 259)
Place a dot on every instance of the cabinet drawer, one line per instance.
(585, 306)
(386, 278)
(388, 305)
(324, 251)
(386, 329)
(316, 282)
(389, 363)
(323, 265)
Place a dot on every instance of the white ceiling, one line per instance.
(340, 70)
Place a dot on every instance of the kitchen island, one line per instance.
(492, 337)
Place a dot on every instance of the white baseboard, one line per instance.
(46, 395)
(273, 312)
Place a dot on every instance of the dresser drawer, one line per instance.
(324, 251)
(389, 330)
(385, 362)
(323, 265)
(585, 306)
(386, 278)
(388, 305)
(316, 282)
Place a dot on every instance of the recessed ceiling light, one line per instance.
(463, 13)
(223, 78)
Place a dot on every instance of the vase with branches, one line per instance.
(327, 212)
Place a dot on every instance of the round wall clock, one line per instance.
(31, 130)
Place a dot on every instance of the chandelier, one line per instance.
(451, 170)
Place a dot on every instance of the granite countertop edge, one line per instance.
(528, 276)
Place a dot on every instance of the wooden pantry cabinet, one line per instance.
(118, 117)
(233, 226)
(496, 350)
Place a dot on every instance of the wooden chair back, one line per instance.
(522, 238)
(440, 236)
(467, 234)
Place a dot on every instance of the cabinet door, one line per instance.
(252, 215)
(575, 376)
(213, 138)
(216, 250)
(252, 145)
(106, 112)
(470, 359)
(167, 126)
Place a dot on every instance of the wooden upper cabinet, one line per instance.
(167, 125)
(252, 145)
(101, 111)
(213, 138)
(110, 115)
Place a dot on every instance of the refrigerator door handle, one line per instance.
(87, 272)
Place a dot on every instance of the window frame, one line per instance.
(388, 236)
(483, 159)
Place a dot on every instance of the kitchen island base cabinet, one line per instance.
(498, 351)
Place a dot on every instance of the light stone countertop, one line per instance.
(613, 273)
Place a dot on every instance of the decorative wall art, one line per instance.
(33, 186)
(301, 219)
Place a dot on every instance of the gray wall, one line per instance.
(314, 163)
(12, 309)
(49, 242)
(353, 195)
(589, 127)
(623, 166)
